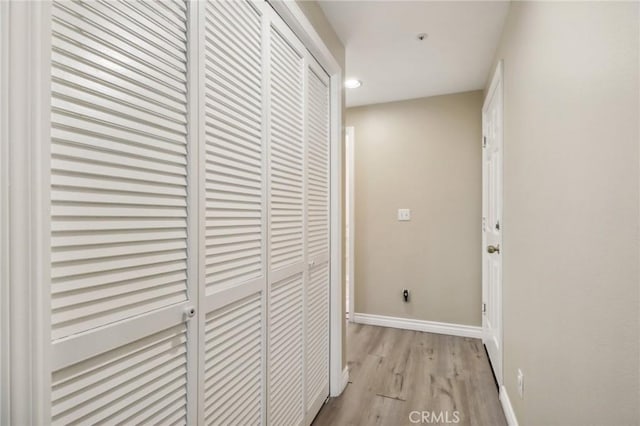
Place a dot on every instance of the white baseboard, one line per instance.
(507, 407)
(345, 379)
(419, 325)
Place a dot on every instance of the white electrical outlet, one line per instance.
(520, 383)
(404, 215)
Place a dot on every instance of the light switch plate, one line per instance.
(404, 214)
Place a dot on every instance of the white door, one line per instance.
(492, 120)
(233, 213)
(189, 216)
(317, 277)
(286, 255)
(122, 285)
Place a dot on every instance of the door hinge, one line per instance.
(484, 308)
(484, 224)
(484, 141)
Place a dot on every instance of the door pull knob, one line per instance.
(493, 249)
(190, 312)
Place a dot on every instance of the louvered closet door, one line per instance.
(286, 228)
(122, 284)
(234, 211)
(317, 236)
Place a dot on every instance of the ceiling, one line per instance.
(383, 50)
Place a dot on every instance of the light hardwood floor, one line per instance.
(394, 372)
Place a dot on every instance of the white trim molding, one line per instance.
(350, 204)
(295, 18)
(419, 325)
(4, 216)
(345, 379)
(507, 407)
(26, 110)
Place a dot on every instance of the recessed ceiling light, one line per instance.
(352, 83)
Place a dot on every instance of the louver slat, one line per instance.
(317, 166)
(118, 162)
(233, 363)
(317, 334)
(317, 284)
(233, 137)
(285, 352)
(143, 382)
(286, 154)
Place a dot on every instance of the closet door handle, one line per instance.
(190, 312)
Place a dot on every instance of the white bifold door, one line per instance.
(123, 282)
(189, 216)
(298, 282)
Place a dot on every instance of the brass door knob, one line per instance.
(493, 249)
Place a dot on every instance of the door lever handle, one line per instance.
(493, 249)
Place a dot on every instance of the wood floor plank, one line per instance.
(395, 372)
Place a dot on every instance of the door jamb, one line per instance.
(350, 201)
(26, 65)
(4, 217)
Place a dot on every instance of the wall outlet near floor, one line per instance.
(520, 383)
(405, 295)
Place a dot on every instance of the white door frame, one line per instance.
(497, 86)
(295, 18)
(4, 218)
(25, 110)
(350, 182)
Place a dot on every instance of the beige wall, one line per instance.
(422, 154)
(316, 17)
(571, 212)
